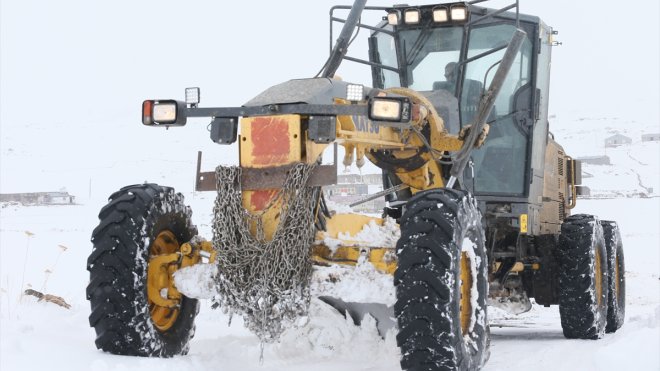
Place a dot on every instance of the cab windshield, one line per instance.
(435, 61)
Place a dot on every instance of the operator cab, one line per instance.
(449, 53)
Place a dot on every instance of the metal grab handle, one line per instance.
(572, 199)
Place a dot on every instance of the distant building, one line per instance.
(651, 137)
(39, 198)
(349, 178)
(595, 160)
(346, 189)
(617, 140)
(352, 188)
(373, 179)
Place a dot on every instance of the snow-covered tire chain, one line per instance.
(433, 230)
(583, 315)
(616, 310)
(118, 272)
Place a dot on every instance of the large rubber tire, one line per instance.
(616, 310)
(117, 291)
(582, 278)
(441, 235)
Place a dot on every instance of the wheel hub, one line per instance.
(164, 298)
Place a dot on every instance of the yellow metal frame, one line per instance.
(381, 258)
(523, 224)
(351, 251)
(465, 302)
(598, 272)
(278, 140)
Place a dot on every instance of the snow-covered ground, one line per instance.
(37, 335)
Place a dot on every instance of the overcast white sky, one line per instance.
(78, 62)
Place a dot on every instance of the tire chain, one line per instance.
(265, 281)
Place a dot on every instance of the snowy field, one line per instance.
(37, 335)
(70, 104)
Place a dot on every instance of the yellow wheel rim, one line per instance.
(163, 317)
(599, 278)
(466, 293)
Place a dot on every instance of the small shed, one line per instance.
(346, 189)
(39, 198)
(595, 160)
(617, 140)
(651, 137)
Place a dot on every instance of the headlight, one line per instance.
(394, 109)
(164, 113)
(411, 16)
(440, 15)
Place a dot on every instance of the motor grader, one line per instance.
(457, 119)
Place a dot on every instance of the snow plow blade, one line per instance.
(383, 314)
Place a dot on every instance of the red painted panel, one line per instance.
(260, 199)
(270, 141)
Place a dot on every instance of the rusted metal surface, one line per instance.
(268, 178)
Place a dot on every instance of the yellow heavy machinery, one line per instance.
(457, 121)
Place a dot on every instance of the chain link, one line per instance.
(265, 281)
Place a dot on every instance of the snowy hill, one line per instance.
(634, 168)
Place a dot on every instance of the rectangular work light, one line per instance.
(163, 112)
(192, 96)
(391, 109)
(354, 92)
(440, 14)
(458, 13)
(411, 16)
(393, 18)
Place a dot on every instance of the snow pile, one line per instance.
(362, 283)
(468, 247)
(197, 281)
(371, 235)
(386, 235)
(338, 208)
(326, 334)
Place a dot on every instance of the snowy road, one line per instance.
(37, 336)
